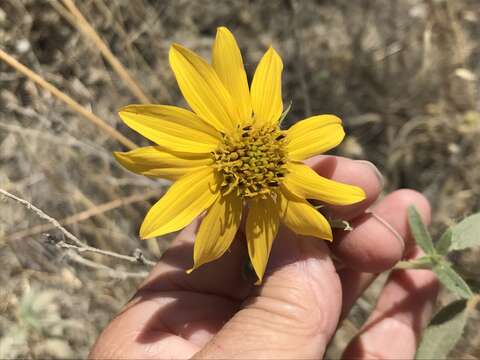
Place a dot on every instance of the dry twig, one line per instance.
(83, 215)
(75, 106)
(84, 26)
(80, 246)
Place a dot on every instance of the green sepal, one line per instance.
(284, 114)
(341, 224)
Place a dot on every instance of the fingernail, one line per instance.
(377, 172)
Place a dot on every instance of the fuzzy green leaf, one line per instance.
(419, 231)
(466, 234)
(443, 244)
(451, 280)
(444, 331)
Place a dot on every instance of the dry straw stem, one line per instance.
(84, 26)
(79, 245)
(75, 106)
(114, 273)
(83, 215)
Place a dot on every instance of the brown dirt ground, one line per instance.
(403, 75)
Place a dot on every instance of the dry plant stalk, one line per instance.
(83, 215)
(79, 246)
(84, 26)
(75, 106)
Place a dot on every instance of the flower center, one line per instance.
(252, 164)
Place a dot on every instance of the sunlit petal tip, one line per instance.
(124, 160)
(118, 154)
(328, 237)
(126, 108)
(305, 183)
(221, 29)
(132, 108)
(359, 192)
(175, 51)
(276, 56)
(122, 112)
(147, 231)
(144, 235)
(121, 158)
(314, 135)
(176, 46)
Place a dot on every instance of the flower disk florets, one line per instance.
(253, 163)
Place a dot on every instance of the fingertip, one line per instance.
(407, 197)
(379, 237)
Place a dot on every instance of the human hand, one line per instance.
(216, 313)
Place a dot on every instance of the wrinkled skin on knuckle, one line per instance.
(292, 315)
(295, 304)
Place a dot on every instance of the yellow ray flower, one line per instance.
(230, 153)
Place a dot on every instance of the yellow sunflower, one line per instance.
(230, 152)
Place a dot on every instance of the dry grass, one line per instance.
(403, 74)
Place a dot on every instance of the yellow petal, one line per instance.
(228, 64)
(266, 90)
(171, 127)
(153, 161)
(303, 218)
(262, 228)
(203, 89)
(303, 182)
(184, 201)
(314, 136)
(217, 230)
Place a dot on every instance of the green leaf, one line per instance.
(443, 244)
(451, 280)
(444, 331)
(284, 114)
(419, 231)
(466, 234)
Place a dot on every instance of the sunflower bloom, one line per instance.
(230, 153)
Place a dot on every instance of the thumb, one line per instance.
(293, 314)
